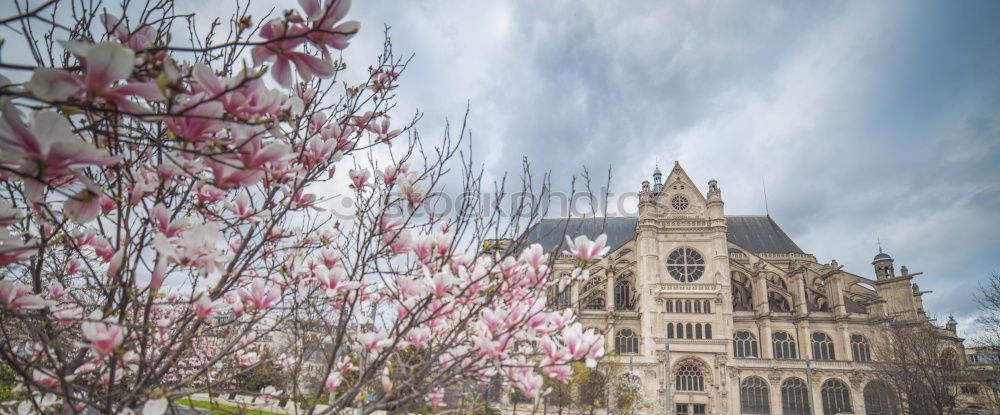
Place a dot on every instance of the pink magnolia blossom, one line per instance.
(373, 341)
(261, 296)
(19, 297)
(104, 336)
(84, 206)
(386, 380)
(205, 307)
(45, 380)
(46, 145)
(359, 178)
(586, 250)
(332, 382)
(244, 358)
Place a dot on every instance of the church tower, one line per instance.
(883, 266)
(683, 267)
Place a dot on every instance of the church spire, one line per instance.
(657, 179)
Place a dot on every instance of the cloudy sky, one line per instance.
(866, 120)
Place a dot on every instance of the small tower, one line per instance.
(883, 266)
(657, 180)
(952, 325)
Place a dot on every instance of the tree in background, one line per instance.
(924, 374)
(150, 185)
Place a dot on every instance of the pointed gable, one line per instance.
(679, 195)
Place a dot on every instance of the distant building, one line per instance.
(748, 315)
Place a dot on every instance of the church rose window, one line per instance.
(679, 203)
(685, 265)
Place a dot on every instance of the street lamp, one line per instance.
(666, 377)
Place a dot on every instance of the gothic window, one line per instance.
(670, 330)
(591, 284)
(708, 331)
(626, 342)
(949, 360)
(822, 347)
(794, 397)
(861, 351)
(879, 399)
(784, 346)
(754, 396)
(685, 265)
(595, 301)
(690, 331)
(565, 298)
(707, 307)
(670, 306)
(697, 306)
(689, 378)
(697, 331)
(745, 344)
(687, 306)
(836, 397)
(679, 203)
(741, 292)
(623, 295)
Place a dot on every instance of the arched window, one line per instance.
(592, 284)
(680, 330)
(690, 331)
(708, 330)
(595, 301)
(879, 399)
(623, 295)
(861, 351)
(670, 306)
(670, 330)
(784, 346)
(754, 396)
(949, 359)
(836, 397)
(697, 306)
(687, 306)
(822, 347)
(689, 378)
(794, 397)
(626, 342)
(707, 307)
(565, 298)
(697, 331)
(745, 344)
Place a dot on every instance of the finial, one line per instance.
(879, 241)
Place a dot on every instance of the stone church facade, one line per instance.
(753, 323)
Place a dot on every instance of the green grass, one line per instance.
(222, 409)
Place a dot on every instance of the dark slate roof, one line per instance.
(549, 232)
(754, 233)
(759, 234)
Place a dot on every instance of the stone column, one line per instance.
(764, 339)
(803, 340)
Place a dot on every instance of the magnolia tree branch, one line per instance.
(236, 216)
